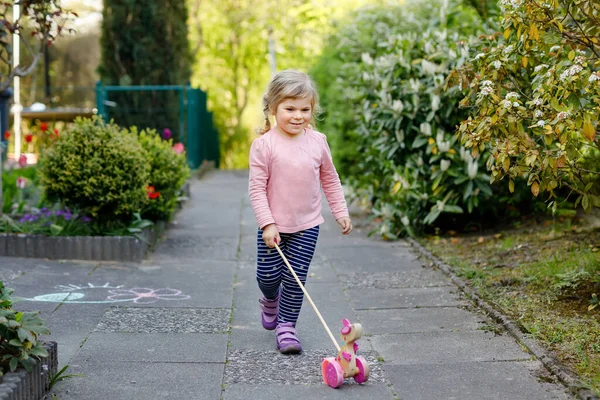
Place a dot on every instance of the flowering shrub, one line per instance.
(97, 168)
(168, 172)
(20, 190)
(534, 95)
(408, 163)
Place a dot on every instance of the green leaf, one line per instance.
(13, 364)
(453, 209)
(55, 229)
(419, 141)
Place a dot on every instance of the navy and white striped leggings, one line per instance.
(272, 273)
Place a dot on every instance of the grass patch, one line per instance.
(546, 277)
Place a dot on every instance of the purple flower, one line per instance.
(167, 134)
(85, 219)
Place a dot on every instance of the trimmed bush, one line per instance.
(98, 169)
(168, 172)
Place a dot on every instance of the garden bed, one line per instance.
(97, 248)
(21, 385)
(544, 276)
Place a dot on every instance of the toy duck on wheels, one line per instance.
(347, 364)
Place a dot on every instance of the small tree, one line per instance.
(534, 95)
(43, 19)
(144, 42)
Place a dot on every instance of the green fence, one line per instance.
(180, 109)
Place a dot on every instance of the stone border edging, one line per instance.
(547, 358)
(21, 385)
(95, 248)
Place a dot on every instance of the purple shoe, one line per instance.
(269, 310)
(285, 336)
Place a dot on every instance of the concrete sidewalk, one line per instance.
(185, 324)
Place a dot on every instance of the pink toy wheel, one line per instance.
(363, 370)
(333, 375)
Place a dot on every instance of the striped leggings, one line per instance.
(273, 275)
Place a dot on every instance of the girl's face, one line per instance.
(293, 115)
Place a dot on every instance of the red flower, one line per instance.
(28, 138)
(6, 134)
(56, 132)
(44, 126)
(152, 193)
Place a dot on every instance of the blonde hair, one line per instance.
(289, 84)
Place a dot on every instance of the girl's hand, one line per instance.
(270, 233)
(346, 224)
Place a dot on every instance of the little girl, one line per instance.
(289, 164)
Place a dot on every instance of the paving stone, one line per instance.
(473, 381)
(406, 297)
(348, 391)
(447, 347)
(154, 347)
(164, 320)
(142, 381)
(394, 279)
(413, 320)
(271, 367)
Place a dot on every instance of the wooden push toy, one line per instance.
(347, 364)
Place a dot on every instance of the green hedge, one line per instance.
(392, 119)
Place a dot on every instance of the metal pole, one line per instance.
(47, 72)
(17, 107)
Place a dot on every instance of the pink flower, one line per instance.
(21, 182)
(178, 148)
(167, 134)
(23, 160)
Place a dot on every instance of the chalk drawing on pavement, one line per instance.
(92, 294)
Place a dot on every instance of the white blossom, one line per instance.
(554, 49)
(444, 165)
(571, 71)
(486, 91)
(425, 128)
(435, 102)
(497, 64)
(444, 146)
(580, 59)
(487, 84)
(397, 106)
(366, 76)
(511, 96)
(541, 123)
(405, 221)
(538, 68)
(537, 102)
(563, 114)
(507, 104)
(366, 58)
(415, 84)
(538, 114)
(479, 56)
(594, 77)
(516, 104)
(472, 168)
(509, 49)
(429, 68)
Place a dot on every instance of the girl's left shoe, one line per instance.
(285, 336)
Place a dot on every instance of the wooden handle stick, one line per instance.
(337, 346)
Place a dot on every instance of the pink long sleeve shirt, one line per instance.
(286, 175)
